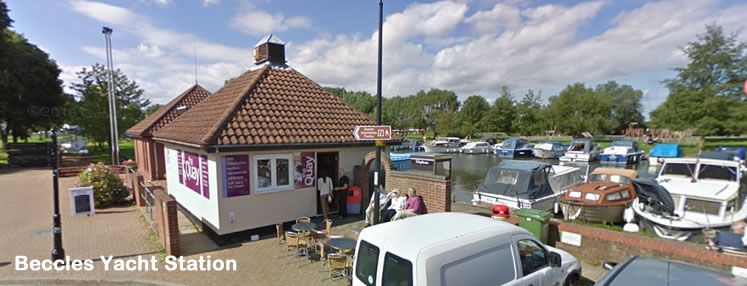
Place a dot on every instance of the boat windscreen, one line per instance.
(598, 177)
(619, 179)
(578, 146)
(508, 144)
(679, 169)
(508, 177)
(717, 172)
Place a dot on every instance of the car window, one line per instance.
(365, 266)
(533, 256)
(397, 271)
(471, 270)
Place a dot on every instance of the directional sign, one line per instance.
(375, 132)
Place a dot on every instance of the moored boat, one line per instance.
(582, 150)
(622, 152)
(602, 198)
(663, 151)
(549, 150)
(513, 147)
(526, 184)
(476, 148)
(442, 145)
(706, 194)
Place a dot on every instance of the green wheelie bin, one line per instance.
(535, 221)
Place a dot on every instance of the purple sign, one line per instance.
(204, 175)
(305, 169)
(235, 175)
(179, 163)
(191, 171)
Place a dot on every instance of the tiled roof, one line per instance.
(167, 113)
(267, 106)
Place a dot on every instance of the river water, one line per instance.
(469, 170)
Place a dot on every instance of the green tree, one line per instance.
(91, 109)
(429, 105)
(32, 94)
(528, 119)
(706, 94)
(502, 114)
(473, 110)
(447, 124)
(579, 109)
(625, 104)
(152, 108)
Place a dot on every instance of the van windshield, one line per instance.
(397, 271)
(365, 266)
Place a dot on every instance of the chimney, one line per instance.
(269, 49)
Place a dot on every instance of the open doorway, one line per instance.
(327, 164)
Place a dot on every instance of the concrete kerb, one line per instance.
(84, 281)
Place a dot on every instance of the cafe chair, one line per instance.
(292, 240)
(303, 219)
(336, 263)
(280, 237)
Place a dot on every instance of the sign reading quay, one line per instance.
(374, 132)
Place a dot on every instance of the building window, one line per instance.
(272, 173)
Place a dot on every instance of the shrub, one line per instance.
(108, 188)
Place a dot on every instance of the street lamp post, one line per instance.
(58, 253)
(377, 188)
(114, 135)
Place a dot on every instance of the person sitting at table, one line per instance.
(383, 200)
(415, 206)
(731, 239)
(397, 204)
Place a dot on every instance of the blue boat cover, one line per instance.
(397, 157)
(735, 151)
(716, 155)
(666, 150)
(522, 179)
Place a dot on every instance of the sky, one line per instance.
(472, 47)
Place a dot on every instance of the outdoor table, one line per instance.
(304, 227)
(342, 244)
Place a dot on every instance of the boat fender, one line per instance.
(629, 216)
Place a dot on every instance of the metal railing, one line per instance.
(146, 196)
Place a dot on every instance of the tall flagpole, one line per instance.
(114, 133)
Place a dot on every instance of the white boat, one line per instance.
(582, 150)
(442, 145)
(622, 152)
(549, 150)
(476, 148)
(513, 147)
(706, 194)
(526, 184)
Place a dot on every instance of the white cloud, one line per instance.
(257, 22)
(207, 3)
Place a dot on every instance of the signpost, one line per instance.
(82, 200)
(374, 132)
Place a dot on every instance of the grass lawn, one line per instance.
(102, 154)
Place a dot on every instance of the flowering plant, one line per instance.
(108, 188)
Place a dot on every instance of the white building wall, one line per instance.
(201, 207)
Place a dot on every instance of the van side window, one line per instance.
(494, 265)
(397, 271)
(533, 256)
(368, 258)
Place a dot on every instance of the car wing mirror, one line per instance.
(609, 265)
(555, 259)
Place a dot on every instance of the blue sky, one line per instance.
(469, 46)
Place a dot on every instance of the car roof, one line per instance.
(406, 238)
(645, 271)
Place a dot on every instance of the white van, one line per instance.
(458, 249)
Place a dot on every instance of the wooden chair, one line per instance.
(336, 264)
(292, 240)
(280, 237)
(328, 225)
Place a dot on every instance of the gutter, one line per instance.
(260, 147)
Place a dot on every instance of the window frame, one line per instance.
(544, 250)
(405, 262)
(359, 255)
(273, 173)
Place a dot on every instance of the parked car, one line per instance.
(648, 271)
(458, 249)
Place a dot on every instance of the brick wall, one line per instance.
(436, 190)
(164, 209)
(601, 245)
(363, 176)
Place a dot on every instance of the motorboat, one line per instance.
(622, 152)
(663, 151)
(582, 150)
(738, 153)
(442, 145)
(602, 198)
(513, 147)
(492, 141)
(476, 148)
(549, 150)
(706, 193)
(526, 184)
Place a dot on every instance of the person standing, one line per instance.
(341, 194)
(324, 185)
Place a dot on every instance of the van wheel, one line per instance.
(573, 280)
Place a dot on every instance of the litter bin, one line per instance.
(535, 221)
(353, 202)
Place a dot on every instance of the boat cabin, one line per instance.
(605, 186)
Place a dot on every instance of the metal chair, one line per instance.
(292, 240)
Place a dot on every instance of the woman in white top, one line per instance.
(324, 185)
